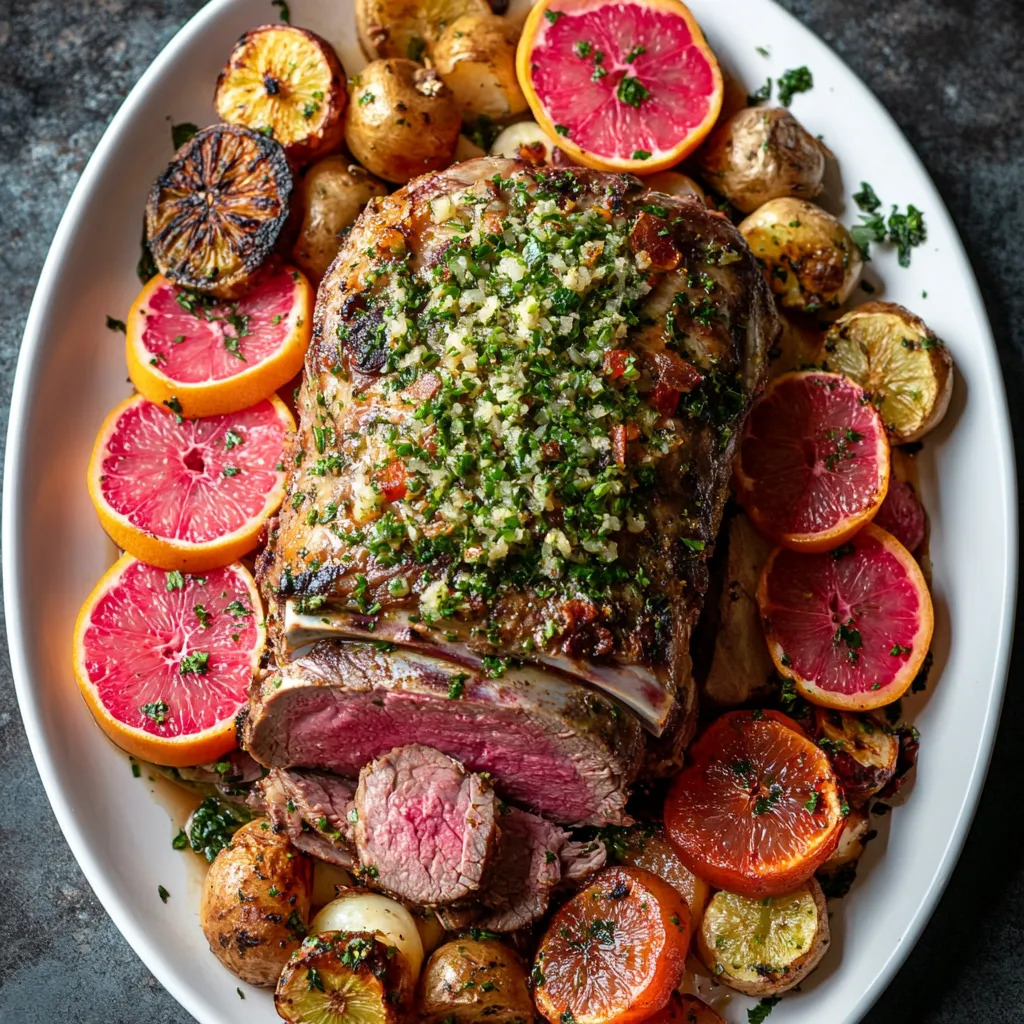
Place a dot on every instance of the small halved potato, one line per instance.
(475, 982)
(524, 140)
(763, 947)
(408, 28)
(255, 903)
(809, 258)
(476, 59)
(402, 120)
(760, 154)
(898, 360)
(672, 183)
(851, 843)
(331, 197)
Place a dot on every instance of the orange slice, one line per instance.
(215, 356)
(619, 85)
(164, 660)
(188, 494)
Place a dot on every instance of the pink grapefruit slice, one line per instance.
(850, 627)
(813, 464)
(188, 494)
(164, 659)
(212, 356)
(619, 85)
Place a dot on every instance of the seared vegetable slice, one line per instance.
(475, 982)
(408, 28)
(764, 946)
(894, 356)
(808, 257)
(476, 58)
(214, 215)
(615, 952)
(343, 978)
(286, 82)
(525, 140)
(402, 120)
(862, 749)
(255, 903)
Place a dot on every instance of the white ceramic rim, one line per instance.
(30, 366)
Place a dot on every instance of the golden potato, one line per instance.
(475, 982)
(672, 183)
(331, 197)
(255, 904)
(476, 59)
(401, 120)
(897, 359)
(809, 258)
(408, 28)
(760, 154)
(764, 947)
(524, 140)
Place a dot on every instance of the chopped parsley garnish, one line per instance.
(759, 1014)
(182, 133)
(155, 711)
(175, 580)
(794, 81)
(366, 97)
(632, 91)
(237, 610)
(162, 893)
(196, 663)
(232, 440)
(762, 95)
(553, 16)
(640, 154)
(202, 615)
(561, 129)
(457, 685)
(230, 471)
(116, 325)
(582, 48)
(906, 231)
(634, 53)
(285, 12)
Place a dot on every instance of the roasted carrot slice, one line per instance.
(615, 952)
(759, 809)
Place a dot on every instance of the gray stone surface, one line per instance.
(952, 73)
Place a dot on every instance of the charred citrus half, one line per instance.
(813, 463)
(615, 952)
(758, 810)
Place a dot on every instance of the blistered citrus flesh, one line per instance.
(813, 464)
(748, 938)
(214, 355)
(164, 660)
(620, 84)
(188, 494)
(614, 953)
(646, 846)
(851, 627)
(757, 810)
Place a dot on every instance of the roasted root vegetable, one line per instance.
(764, 947)
(213, 217)
(862, 749)
(331, 196)
(525, 140)
(344, 978)
(615, 952)
(757, 811)
(286, 82)
(672, 183)
(470, 981)
(408, 28)
(359, 911)
(809, 258)
(255, 904)
(760, 154)
(402, 120)
(646, 846)
(900, 363)
(476, 58)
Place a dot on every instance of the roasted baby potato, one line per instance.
(475, 982)
(255, 904)
(331, 197)
(524, 140)
(764, 947)
(288, 82)
(760, 154)
(898, 360)
(402, 120)
(476, 59)
(672, 183)
(327, 879)
(408, 28)
(809, 258)
(344, 978)
(214, 215)
(861, 748)
(741, 666)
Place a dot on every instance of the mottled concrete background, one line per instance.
(952, 73)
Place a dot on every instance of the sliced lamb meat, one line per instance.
(582, 859)
(426, 828)
(550, 745)
(313, 808)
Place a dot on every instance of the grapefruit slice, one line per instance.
(188, 494)
(758, 810)
(850, 628)
(215, 356)
(813, 464)
(619, 85)
(164, 660)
